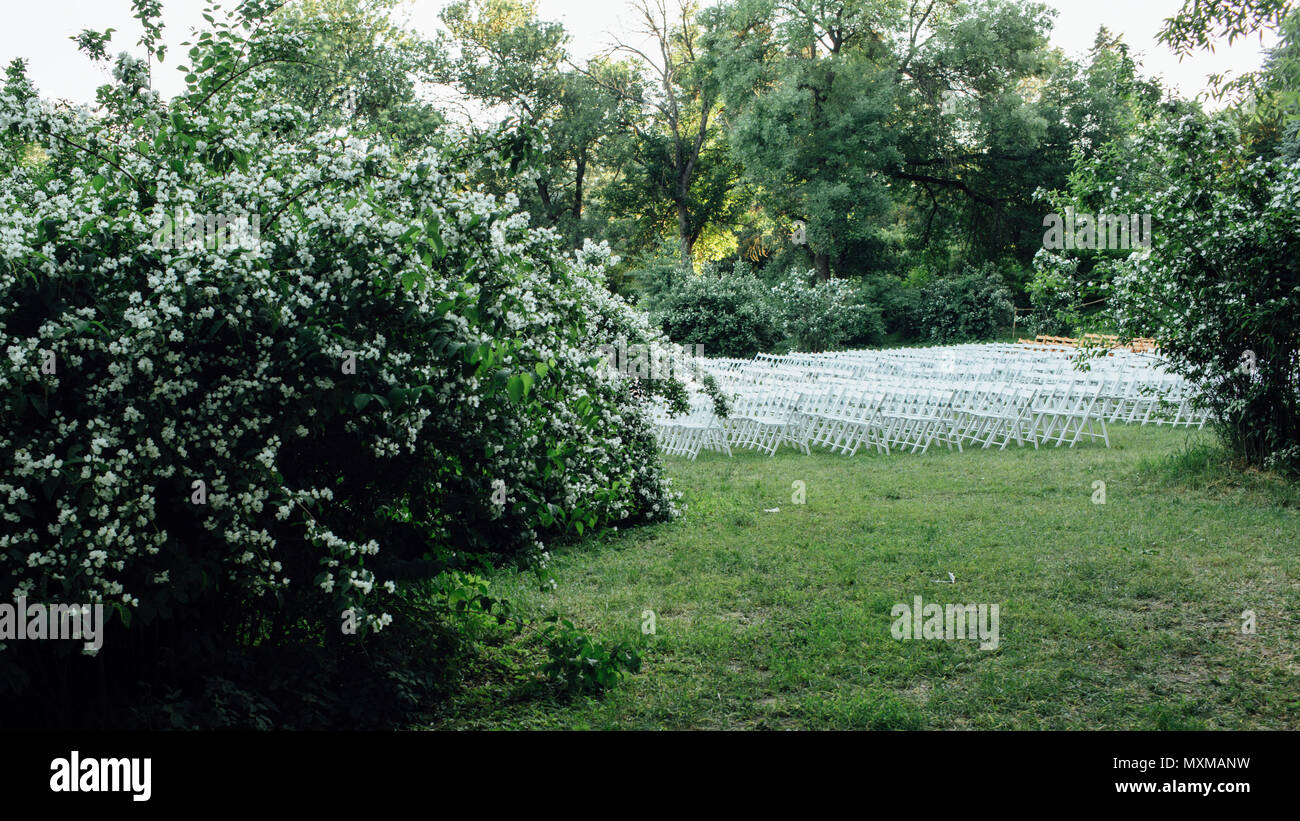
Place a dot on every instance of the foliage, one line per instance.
(355, 66)
(929, 123)
(803, 82)
(673, 171)
(729, 313)
(898, 301)
(970, 306)
(824, 315)
(580, 664)
(387, 375)
(1199, 23)
(1057, 310)
(1219, 287)
(501, 56)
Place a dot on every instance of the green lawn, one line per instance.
(1123, 615)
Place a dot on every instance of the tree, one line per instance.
(674, 165)
(810, 104)
(843, 111)
(1200, 23)
(347, 63)
(505, 58)
(1219, 287)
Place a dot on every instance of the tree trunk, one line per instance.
(544, 192)
(577, 188)
(823, 265)
(684, 236)
(578, 178)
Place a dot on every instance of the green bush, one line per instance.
(899, 304)
(968, 307)
(728, 313)
(580, 664)
(1219, 287)
(820, 316)
(1053, 296)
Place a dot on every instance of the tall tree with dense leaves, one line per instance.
(811, 95)
(852, 115)
(503, 57)
(349, 63)
(675, 168)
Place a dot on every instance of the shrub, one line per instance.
(1056, 306)
(239, 447)
(1219, 287)
(899, 304)
(578, 663)
(970, 306)
(729, 314)
(819, 316)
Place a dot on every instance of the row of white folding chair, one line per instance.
(687, 434)
(1067, 411)
(1119, 383)
(982, 413)
(884, 418)
(916, 418)
(843, 418)
(764, 419)
(1147, 399)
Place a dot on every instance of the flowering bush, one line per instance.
(249, 441)
(728, 313)
(1219, 288)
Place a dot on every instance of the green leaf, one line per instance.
(515, 387)
(434, 232)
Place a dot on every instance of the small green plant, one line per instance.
(580, 664)
(577, 663)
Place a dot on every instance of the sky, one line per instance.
(39, 31)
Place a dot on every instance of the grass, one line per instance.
(1123, 615)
